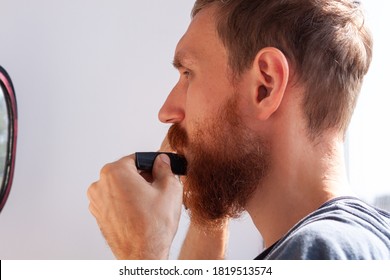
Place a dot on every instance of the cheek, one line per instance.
(200, 107)
(247, 113)
(194, 115)
(204, 98)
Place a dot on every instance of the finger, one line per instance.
(165, 180)
(130, 162)
(91, 195)
(91, 192)
(94, 210)
(162, 167)
(144, 175)
(123, 169)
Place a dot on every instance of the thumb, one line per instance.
(162, 167)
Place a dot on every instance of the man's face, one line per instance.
(226, 160)
(204, 84)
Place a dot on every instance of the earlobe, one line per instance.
(271, 70)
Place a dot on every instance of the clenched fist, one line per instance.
(138, 214)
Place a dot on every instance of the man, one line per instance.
(260, 111)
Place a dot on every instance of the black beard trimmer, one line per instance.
(144, 161)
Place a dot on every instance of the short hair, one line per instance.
(326, 42)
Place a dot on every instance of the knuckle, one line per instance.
(91, 210)
(91, 190)
(107, 169)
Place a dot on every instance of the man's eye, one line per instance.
(186, 73)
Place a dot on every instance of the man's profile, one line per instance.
(264, 98)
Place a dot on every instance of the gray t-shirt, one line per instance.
(343, 228)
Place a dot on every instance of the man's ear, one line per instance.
(271, 74)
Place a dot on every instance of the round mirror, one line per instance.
(8, 134)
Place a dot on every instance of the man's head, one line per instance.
(238, 62)
(325, 41)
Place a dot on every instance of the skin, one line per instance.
(139, 219)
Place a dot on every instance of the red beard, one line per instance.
(226, 164)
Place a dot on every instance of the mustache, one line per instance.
(177, 137)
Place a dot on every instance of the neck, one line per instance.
(303, 176)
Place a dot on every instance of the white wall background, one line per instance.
(90, 77)
(369, 133)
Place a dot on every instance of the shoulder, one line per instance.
(339, 230)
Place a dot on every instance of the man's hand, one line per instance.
(138, 218)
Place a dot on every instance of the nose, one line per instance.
(173, 109)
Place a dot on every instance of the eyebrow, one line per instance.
(181, 59)
(177, 63)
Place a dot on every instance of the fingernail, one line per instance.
(165, 158)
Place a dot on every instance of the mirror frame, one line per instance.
(10, 100)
